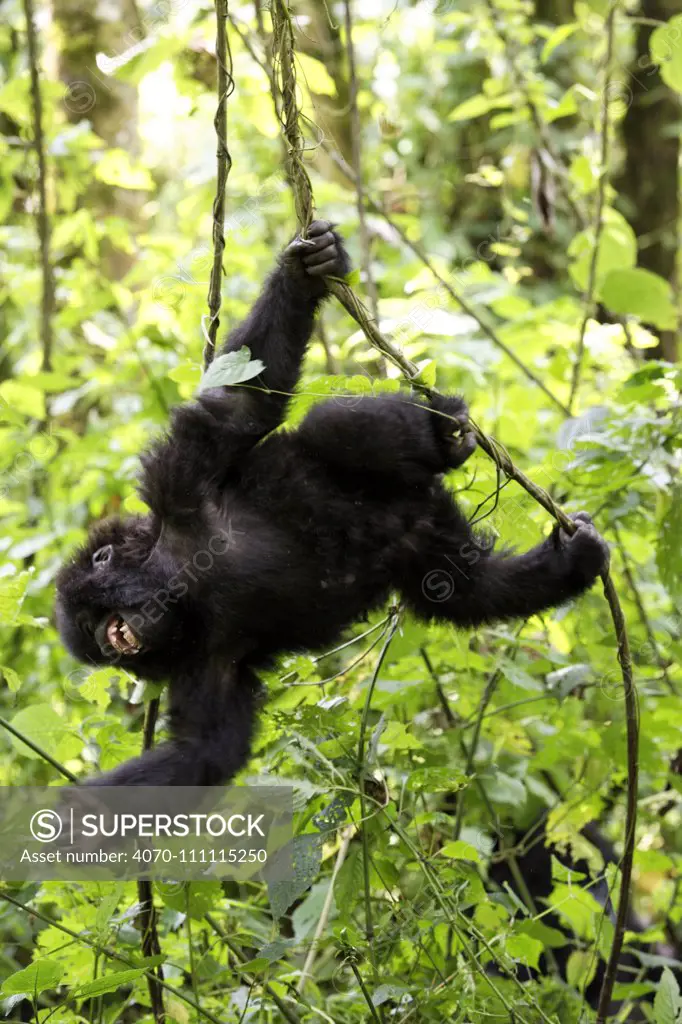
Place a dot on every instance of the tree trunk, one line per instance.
(650, 180)
(109, 105)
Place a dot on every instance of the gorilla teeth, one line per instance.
(121, 636)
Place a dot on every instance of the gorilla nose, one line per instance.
(84, 624)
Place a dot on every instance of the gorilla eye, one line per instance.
(103, 555)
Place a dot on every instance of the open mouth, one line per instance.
(121, 637)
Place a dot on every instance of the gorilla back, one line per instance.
(259, 542)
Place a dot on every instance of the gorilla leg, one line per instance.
(392, 435)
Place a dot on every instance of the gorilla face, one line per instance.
(113, 601)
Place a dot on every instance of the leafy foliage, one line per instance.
(491, 759)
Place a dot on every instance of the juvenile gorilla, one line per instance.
(260, 542)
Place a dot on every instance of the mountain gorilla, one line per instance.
(260, 542)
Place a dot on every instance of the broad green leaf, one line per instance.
(617, 249)
(668, 1003)
(108, 983)
(42, 724)
(581, 967)
(23, 398)
(459, 850)
(36, 978)
(315, 75)
(477, 105)
(193, 898)
(666, 50)
(231, 368)
(637, 292)
(306, 853)
(524, 949)
(396, 737)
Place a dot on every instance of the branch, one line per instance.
(43, 220)
(356, 134)
(283, 36)
(225, 90)
(378, 208)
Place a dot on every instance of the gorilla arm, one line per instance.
(212, 720)
(210, 435)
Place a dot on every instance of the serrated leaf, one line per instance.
(231, 368)
(40, 723)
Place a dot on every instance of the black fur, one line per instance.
(261, 542)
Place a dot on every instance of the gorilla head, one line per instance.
(113, 600)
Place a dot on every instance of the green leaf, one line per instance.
(581, 967)
(459, 850)
(23, 398)
(108, 983)
(666, 51)
(638, 292)
(34, 979)
(96, 686)
(525, 949)
(504, 789)
(315, 75)
(306, 856)
(478, 105)
(667, 1004)
(186, 373)
(560, 34)
(40, 723)
(231, 368)
(11, 678)
(193, 898)
(116, 168)
(397, 737)
(617, 249)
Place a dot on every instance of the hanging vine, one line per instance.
(284, 48)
